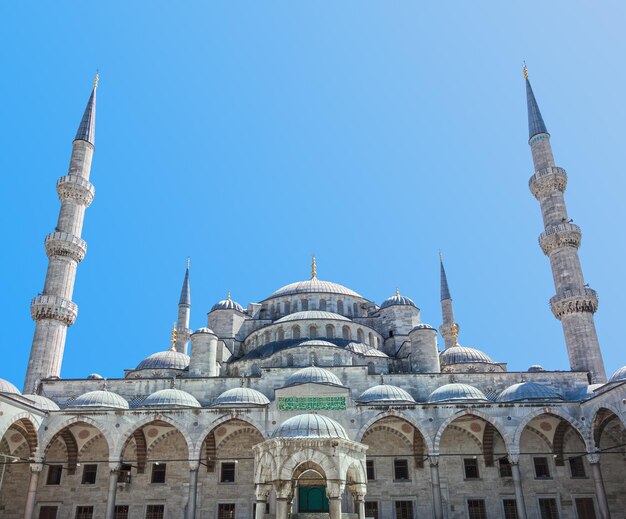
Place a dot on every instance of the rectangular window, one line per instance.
(226, 511)
(585, 508)
(369, 467)
(125, 473)
(54, 474)
(505, 468)
(48, 512)
(158, 473)
(89, 474)
(121, 512)
(371, 509)
(476, 509)
(227, 474)
(155, 512)
(577, 467)
(471, 468)
(84, 512)
(404, 509)
(510, 508)
(548, 508)
(401, 470)
(542, 469)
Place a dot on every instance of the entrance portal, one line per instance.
(312, 499)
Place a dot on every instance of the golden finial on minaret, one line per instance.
(95, 80)
(228, 296)
(397, 292)
(313, 267)
(525, 71)
(174, 336)
(455, 332)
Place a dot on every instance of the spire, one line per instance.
(87, 129)
(535, 121)
(445, 291)
(313, 267)
(185, 293)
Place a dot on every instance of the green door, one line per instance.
(312, 499)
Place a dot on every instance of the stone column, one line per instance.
(193, 489)
(262, 492)
(114, 474)
(517, 483)
(359, 505)
(596, 472)
(35, 470)
(335, 507)
(436, 487)
(282, 508)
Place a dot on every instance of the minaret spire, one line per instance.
(449, 329)
(574, 303)
(53, 310)
(183, 333)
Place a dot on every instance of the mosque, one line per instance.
(316, 402)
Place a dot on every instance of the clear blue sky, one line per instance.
(248, 135)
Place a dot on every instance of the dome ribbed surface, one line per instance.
(227, 304)
(373, 352)
(386, 393)
(42, 402)
(314, 286)
(528, 391)
(169, 359)
(423, 326)
(311, 314)
(463, 355)
(397, 300)
(620, 374)
(241, 396)
(171, 398)
(100, 398)
(310, 426)
(313, 375)
(317, 342)
(451, 392)
(7, 387)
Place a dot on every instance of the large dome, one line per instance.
(100, 399)
(310, 426)
(314, 285)
(452, 392)
(311, 314)
(385, 394)
(464, 355)
(170, 359)
(7, 387)
(313, 375)
(170, 398)
(620, 374)
(241, 396)
(528, 391)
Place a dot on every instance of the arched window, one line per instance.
(295, 332)
(313, 332)
(313, 359)
(378, 342)
(360, 336)
(355, 309)
(371, 339)
(280, 334)
(272, 310)
(346, 333)
(337, 360)
(305, 304)
(267, 338)
(287, 307)
(340, 307)
(323, 305)
(289, 360)
(255, 371)
(330, 331)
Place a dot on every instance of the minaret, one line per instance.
(574, 303)
(183, 333)
(449, 330)
(53, 310)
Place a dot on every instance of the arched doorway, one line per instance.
(310, 483)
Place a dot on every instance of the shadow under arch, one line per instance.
(25, 427)
(402, 416)
(603, 417)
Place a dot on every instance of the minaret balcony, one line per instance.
(65, 245)
(547, 181)
(53, 307)
(73, 187)
(583, 300)
(560, 236)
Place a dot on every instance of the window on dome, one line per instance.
(323, 305)
(360, 336)
(346, 333)
(336, 359)
(287, 307)
(295, 332)
(340, 307)
(280, 334)
(304, 303)
(266, 338)
(313, 332)
(330, 331)
(355, 309)
(289, 360)
(371, 340)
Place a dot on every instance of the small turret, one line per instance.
(424, 356)
(203, 362)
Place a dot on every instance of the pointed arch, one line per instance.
(210, 447)
(56, 426)
(601, 418)
(471, 412)
(129, 433)
(426, 439)
(26, 428)
(554, 411)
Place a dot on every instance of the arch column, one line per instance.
(193, 489)
(35, 471)
(596, 472)
(114, 474)
(517, 484)
(334, 491)
(436, 487)
(262, 492)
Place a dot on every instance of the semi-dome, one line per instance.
(228, 304)
(42, 402)
(311, 314)
(397, 299)
(528, 391)
(464, 355)
(620, 374)
(453, 392)
(170, 359)
(7, 387)
(170, 398)
(313, 375)
(94, 376)
(100, 399)
(310, 426)
(241, 396)
(385, 394)
(314, 285)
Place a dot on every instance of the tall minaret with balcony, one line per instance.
(449, 330)
(53, 309)
(574, 303)
(183, 333)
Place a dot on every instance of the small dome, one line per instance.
(228, 304)
(528, 391)
(620, 374)
(100, 398)
(314, 285)
(310, 426)
(535, 368)
(170, 359)
(241, 396)
(397, 300)
(451, 392)
(7, 387)
(311, 314)
(94, 376)
(423, 326)
(42, 402)
(385, 393)
(318, 342)
(313, 375)
(463, 355)
(204, 330)
(171, 398)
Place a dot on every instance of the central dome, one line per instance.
(310, 426)
(314, 285)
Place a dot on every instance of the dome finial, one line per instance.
(313, 267)
(454, 329)
(173, 339)
(397, 292)
(228, 296)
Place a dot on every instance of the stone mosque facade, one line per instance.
(316, 402)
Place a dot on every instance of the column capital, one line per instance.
(36, 466)
(194, 464)
(433, 460)
(593, 457)
(262, 491)
(513, 458)
(115, 465)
